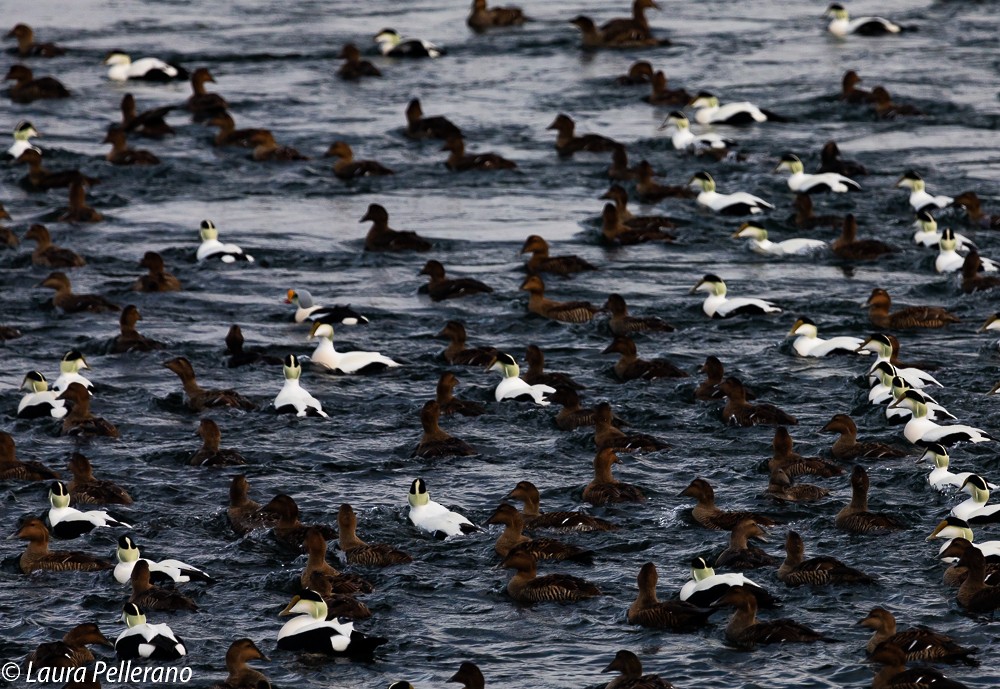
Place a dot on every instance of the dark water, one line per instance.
(275, 63)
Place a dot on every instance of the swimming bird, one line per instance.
(683, 139)
(953, 551)
(157, 279)
(744, 631)
(335, 587)
(573, 415)
(293, 398)
(27, 89)
(228, 134)
(197, 398)
(567, 143)
(129, 339)
(212, 249)
(738, 203)
(435, 442)
(307, 310)
(856, 518)
(894, 672)
(792, 463)
(708, 515)
(631, 677)
(241, 675)
(974, 594)
(381, 237)
(77, 209)
(739, 412)
(66, 301)
(266, 148)
(808, 343)
(527, 587)
(392, 44)
(842, 25)
(759, 242)
(740, 554)
(460, 161)
(238, 356)
(201, 104)
(563, 311)
(534, 518)
(150, 597)
(661, 94)
(289, 531)
(920, 430)
(625, 229)
(592, 37)
(449, 404)
(354, 67)
(940, 477)
(975, 509)
(846, 447)
(210, 454)
(512, 387)
(69, 371)
(79, 421)
(886, 109)
(149, 124)
(346, 167)
(972, 267)
(513, 539)
(920, 199)
(121, 154)
(71, 650)
(948, 259)
(40, 179)
(244, 514)
(879, 304)
(537, 375)
(640, 72)
(440, 287)
(122, 68)
(801, 182)
(604, 488)
(635, 26)
(67, 522)
(781, 488)
(623, 324)
(717, 305)
(849, 247)
(849, 91)
(347, 363)
(26, 46)
(886, 349)
(648, 611)
(619, 169)
(39, 402)
(968, 201)
(357, 551)
(147, 641)
(434, 127)
(174, 571)
(542, 262)
(608, 436)
(433, 517)
(706, 588)
(709, 111)
(630, 367)
(37, 555)
(816, 571)
(85, 489)
(830, 161)
(917, 643)
(927, 232)
(650, 191)
(14, 469)
(806, 218)
(457, 353)
(714, 371)
(24, 130)
(468, 675)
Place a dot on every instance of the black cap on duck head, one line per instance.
(806, 321)
(835, 6)
(976, 481)
(23, 126)
(677, 115)
(73, 355)
(35, 376)
(710, 277)
(703, 176)
(291, 361)
(911, 174)
(132, 610)
(885, 367)
(699, 563)
(924, 215)
(309, 594)
(947, 234)
(125, 541)
(58, 488)
(418, 487)
(790, 158)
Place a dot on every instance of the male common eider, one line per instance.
(173, 571)
(760, 243)
(738, 203)
(512, 387)
(122, 68)
(147, 641)
(344, 362)
(717, 305)
(39, 402)
(920, 199)
(920, 430)
(67, 522)
(709, 111)
(23, 131)
(808, 342)
(705, 587)
(69, 371)
(212, 248)
(801, 182)
(392, 44)
(293, 398)
(683, 139)
(842, 25)
(433, 517)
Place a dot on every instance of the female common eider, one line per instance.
(527, 587)
(917, 643)
(290, 531)
(435, 442)
(66, 301)
(228, 134)
(886, 109)
(150, 597)
(968, 201)
(630, 367)
(460, 161)
(201, 104)
(122, 68)
(27, 88)
(808, 342)
(163, 571)
(238, 356)
(781, 488)
(346, 167)
(856, 518)
(920, 199)
(241, 675)
(354, 67)
(129, 339)
(69, 371)
(705, 587)
(147, 641)
(633, 229)
(738, 203)
(212, 249)
(784, 457)
(604, 488)
(608, 436)
(849, 247)
(806, 218)
(849, 91)
(683, 139)
(759, 243)
(830, 161)
(974, 594)
(67, 522)
(744, 631)
(972, 267)
(435, 127)
(592, 37)
(357, 551)
(740, 554)
(619, 169)
(542, 262)
(842, 25)
(567, 143)
(121, 154)
(513, 539)
(149, 124)
(623, 324)
(894, 674)
(449, 404)
(816, 571)
(468, 675)
(39, 402)
(661, 94)
(24, 130)
(211, 454)
(197, 398)
(648, 611)
(77, 209)
(879, 303)
(457, 353)
(79, 421)
(650, 191)
(344, 362)
(441, 287)
(527, 493)
(563, 311)
(635, 27)
(293, 398)
(40, 179)
(847, 448)
(49, 255)
(711, 517)
(709, 111)
(381, 237)
(157, 279)
(85, 489)
(244, 514)
(320, 576)
(511, 386)
(26, 46)
(572, 415)
(433, 517)
(537, 375)
(307, 310)
(631, 677)
(799, 181)
(12, 468)
(37, 556)
(71, 650)
(640, 72)
(266, 148)
(739, 412)
(392, 44)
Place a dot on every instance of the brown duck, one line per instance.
(636, 26)
(27, 88)
(972, 279)
(623, 324)
(816, 571)
(357, 551)
(12, 468)
(592, 37)
(711, 517)
(449, 404)
(781, 488)
(48, 254)
(210, 454)
(201, 104)
(435, 442)
(482, 17)
(714, 372)
(289, 531)
(527, 587)
(468, 675)
(894, 674)
(72, 651)
(785, 458)
(381, 237)
(241, 675)
(640, 72)
(849, 247)
(85, 489)
(534, 518)
(917, 643)
(605, 489)
(420, 127)
(974, 594)
(238, 356)
(68, 302)
(513, 538)
(121, 154)
(806, 218)
(630, 367)
(619, 169)
(969, 200)
(648, 611)
(847, 448)
(739, 412)
(956, 575)
(40, 179)
(150, 597)
(572, 415)
(637, 228)
(741, 554)
(26, 46)
(562, 311)
(460, 161)
(849, 91)
(650, 191)
(354, 67)
(266, 148)
(318, 570)
(661, 94)
(228, 134)
(537, 375)
(197, 398)
(129, 339)
(79, 421)
(855, 516)
(37, 556)
(439, 287)
(567, 143)
(244, 514)
(542, 262)
(77, 209)
(609, 436)
(886, 109)
(457, 353)
(631, 677)
(744, 631)
(149, 124)
(346, 167)
(830, 161)
(157, 279)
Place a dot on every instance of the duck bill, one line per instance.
(288, 608)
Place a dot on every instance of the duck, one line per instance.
(14, 469)
(683, 139)
(346, 167)
(40, 179)
(129, 339)
(434, 442)
(174, 571)
(808, 342)
(201, 104)
(449, 404)
(85, 489)
(527, 587)
(49, 255)
(228, 134)
(572, 415)
(897, 387)
(856, 518)
(69, 371)
(26, 46)
(739, 412)
(886, 349)
(241, 675)
(537, 375)
(567, 143)
(717, 305)
(293, 398)
(842, 25)
(792, 463)
(440, 287)
(709, 111)
(781, 488)
(635, 26)
(197, 398)
(238, 356)
(592, 38)
(830, 161)
(39, 402)
(816, 571)
(27, 89)
(212, 249)
(619, 169)
(149, 597)
(121, 67)
(940, 477)
(972, 267)
(847, 448)
(711, 517)
(630, 367)
(77, 209)
(210, 454)
(79, 421)
(706, 588)
(801, 182)
(849, 91)
(738, 203)
(974, 594)
(622, 324)
(927, 233)
(357, 551)
(849, 247)
(460, 161)
(24, 130)
(468, 675)
(609, 436)
(953, 550)
(637, 228)
(661, 94)
(631, 677)
(563, 311)
(886, 109)
(381, 237)
(759, 242)
(147, 641)
(71, 650)
(920, 430)
(708, 389)
(648, 611)
(604, 488)
(948, 259)
(354, 67)
(650, 191)
(744, 631)
(37, 555)
(434, 127)
(740, 554)
(920, 199)
(894, 672)
(67, 522)
(66, 301)
(967, 200)
(542, 262)
(149, 124)
(513, 539)
(917, 643)
(975, 510)
(640, 72)
(527, 493)
(879, 304)
(344, 362)
(512, 387)
(121, 154)
(806, 218)
(307, 310)
(157, 279)
(392, 44)
(457, 353)
(266, 148)
(433, 517)
(289, 531)
(335, 587)
(244, 514)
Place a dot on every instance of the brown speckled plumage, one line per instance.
(816, 571)
(361, 553)
(855, 516)
(711, 517)
(527, 587)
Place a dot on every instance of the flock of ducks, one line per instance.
(322, 614)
